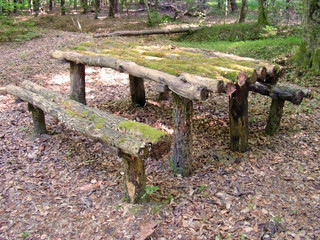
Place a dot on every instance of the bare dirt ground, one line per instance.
(65, 186)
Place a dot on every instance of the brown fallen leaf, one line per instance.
(97, 184)
(146, 229)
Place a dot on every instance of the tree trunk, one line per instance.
(96, 8)
(138, 95)
(112, 11)
(234, 6)
(262, 16)
(77, 82)
(35, 7)
(51, 5)
(243, 12)
(63, 8)
(74, 4)
(39, 123)
(182, 148)
(308, 54)
(84, 4)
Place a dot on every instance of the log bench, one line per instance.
(191, 75)
(133, 141)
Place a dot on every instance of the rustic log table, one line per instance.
(190, 74)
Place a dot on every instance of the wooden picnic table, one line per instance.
(191, 75)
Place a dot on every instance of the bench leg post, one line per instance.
(182, 136)
(138, 95)
(39, 123)
(238, 116)
(77, 81)
(275, 115)
(135, 181)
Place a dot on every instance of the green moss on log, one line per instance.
(172, 60)
(146, 132)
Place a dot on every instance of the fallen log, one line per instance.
(146, 32)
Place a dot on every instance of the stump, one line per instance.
(182, 147)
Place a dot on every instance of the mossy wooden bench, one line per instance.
(134, 141)
(191, 75)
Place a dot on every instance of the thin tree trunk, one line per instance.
(96, 7)
(234, 6)
(112, 8)
(243, 12)
(63, 8)
(50, 5)
(36, 7)
(262, 17)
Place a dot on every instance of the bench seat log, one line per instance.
(134, 141)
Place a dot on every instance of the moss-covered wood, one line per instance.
(275, 115)
(93, 122)
(138, 95)
(167, 65)
(77, 82)
(38, 118)
(238, 116)
(182, 145)
(135, 141)
(135, 178)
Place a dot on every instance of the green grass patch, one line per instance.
(13, 30)
(239, 32)
(260, 49)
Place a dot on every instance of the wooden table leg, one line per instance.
(275, 115)
(238, 115)
(77, 82)
(138, 95)
(182, 136)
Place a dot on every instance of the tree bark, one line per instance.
(112, 7)
(39, 123)
(77, 82)
(262, 16)
(285, 92)
(275, 115)
(63, 8)
(238, 116)
(138, 95)
(234, 6)
(243, 12)
(308, 54)
(182, 148)
(135, 177)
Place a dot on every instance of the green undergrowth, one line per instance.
(15, 30)
(239, 32)
(259, 49)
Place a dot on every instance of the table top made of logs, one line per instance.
(177, 67)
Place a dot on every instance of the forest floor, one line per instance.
(65, 186)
